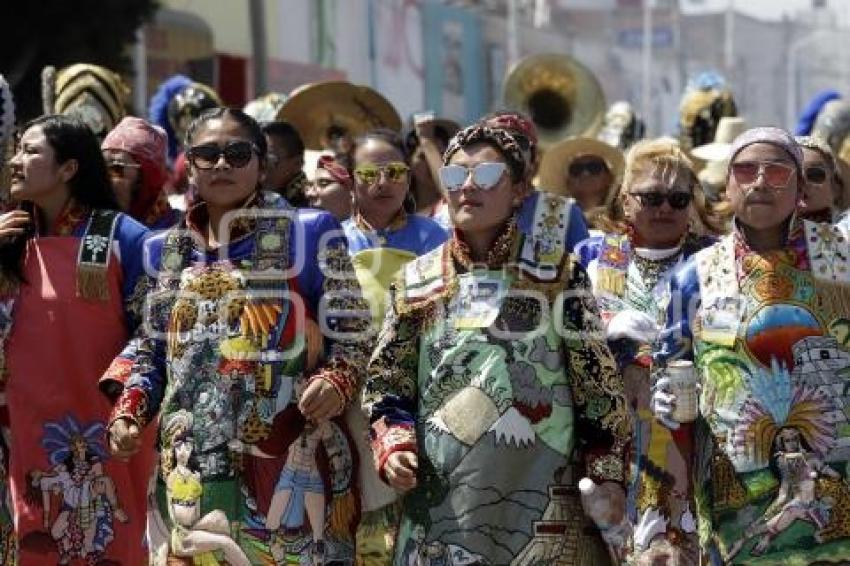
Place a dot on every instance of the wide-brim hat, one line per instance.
(552, 175)
(729, 128)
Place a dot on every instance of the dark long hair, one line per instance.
(70, 138)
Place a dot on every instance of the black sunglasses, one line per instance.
(677, 200)
(815, 174)
(595, 167)
(237, 154)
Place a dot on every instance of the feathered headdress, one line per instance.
(775, 403)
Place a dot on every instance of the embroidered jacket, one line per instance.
(768, 334)
(507, 401)
(230, 344)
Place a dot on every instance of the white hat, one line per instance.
(729, 128)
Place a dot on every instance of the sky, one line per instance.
(770, 9)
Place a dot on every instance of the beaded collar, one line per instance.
(500, 252)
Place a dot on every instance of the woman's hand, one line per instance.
(320, 401)
(14, 223)
(400, 470)
(124, 438)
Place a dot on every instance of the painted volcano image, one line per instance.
(774, 329)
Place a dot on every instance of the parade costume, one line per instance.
(706, 100)
(769, 341)
(59, 331)
(378, 256)
(631, 287)
(504, 420)
(94, 94)
(177, 101)
(229, 350)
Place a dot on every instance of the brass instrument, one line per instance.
(561, 96)
(326, 112)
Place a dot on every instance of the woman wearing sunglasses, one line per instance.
(135, 153)
(68, 302)
(763, 316)
(822, 187)
(232, 337)
(484, 409)
(649, 237)
(381, 192)
(382, 237)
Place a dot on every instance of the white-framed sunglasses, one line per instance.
(485, 176)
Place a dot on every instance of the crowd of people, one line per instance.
(437, 344)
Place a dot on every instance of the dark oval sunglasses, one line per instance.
(677, 200)
(237, 154)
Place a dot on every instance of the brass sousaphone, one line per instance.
(328, 111)
(562, 96)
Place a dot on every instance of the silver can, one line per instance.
(683, 384)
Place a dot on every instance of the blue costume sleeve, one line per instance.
(131, 236)
(676, 339)
(332, 292)
(588, 249)
(578, 228)
(136, 378)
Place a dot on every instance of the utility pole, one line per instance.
(646, 67)
(258, 46)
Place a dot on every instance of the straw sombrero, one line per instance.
(553, 167)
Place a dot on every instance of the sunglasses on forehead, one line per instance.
(485, 176)
(677, 200)
(237, 154)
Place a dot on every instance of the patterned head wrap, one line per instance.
(147, 144)
(774, 136)
(516, 123)
(504, 142)
(338, 173)
(93, 93)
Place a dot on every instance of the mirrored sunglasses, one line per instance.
(485, 176)
(369, 173)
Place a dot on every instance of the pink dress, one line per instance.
(70, 501)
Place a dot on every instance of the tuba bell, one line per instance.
(327, 112)
(562, 96)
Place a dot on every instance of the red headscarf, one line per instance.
(339, 173)
(147, 144)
